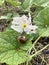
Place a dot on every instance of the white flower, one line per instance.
(23, 23)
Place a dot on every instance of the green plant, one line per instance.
(12, 51)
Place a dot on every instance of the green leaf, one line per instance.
(42, 21)
(14, 2)
(41, 2)
(38, 9)
(1, 2)
(3, 17)
(46, 32)
(27, 4)
(11, 51)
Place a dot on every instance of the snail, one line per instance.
(22, 39)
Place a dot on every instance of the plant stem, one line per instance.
(39, 51)
(27, 63)
(35, 42)
(40, 56)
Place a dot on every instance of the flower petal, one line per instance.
(17, 28)
(26, 19)
(32, 27)
(18, 20)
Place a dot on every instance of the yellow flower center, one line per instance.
(24, 25)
